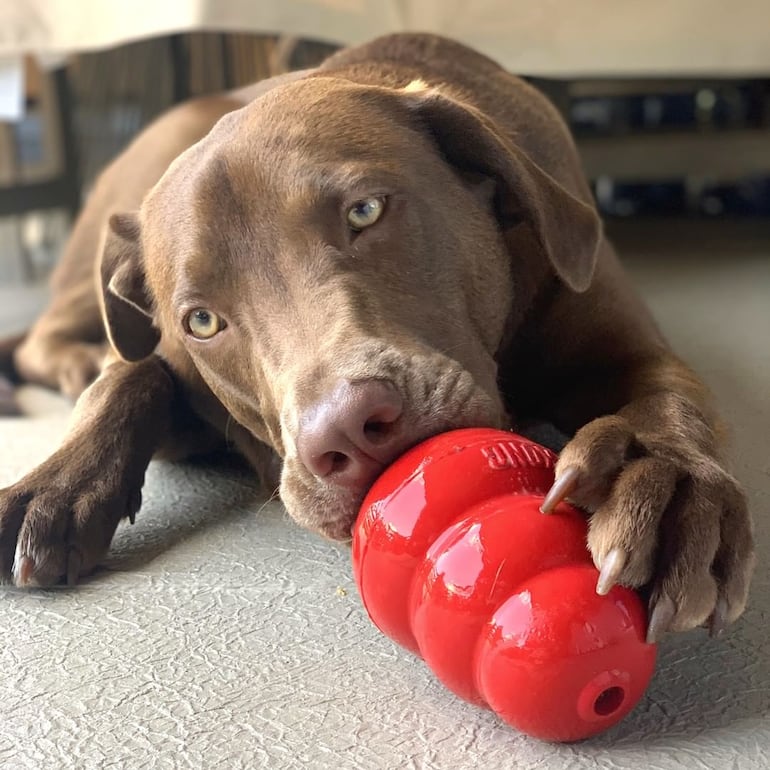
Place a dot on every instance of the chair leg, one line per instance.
(67, 138)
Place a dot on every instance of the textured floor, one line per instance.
(217, 637)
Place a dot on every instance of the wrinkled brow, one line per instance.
(303, 177)
(359, 182)
(215, 190)
(219, 236)
(336, 179)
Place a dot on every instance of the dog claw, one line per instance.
(562, 487)
(26, 570)
(613, 564)
(718, 622)
(660, 620)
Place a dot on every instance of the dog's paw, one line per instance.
(673, 521)
(79, 368)
(57, 522)
(69, 367)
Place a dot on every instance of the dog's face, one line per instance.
(336, 274)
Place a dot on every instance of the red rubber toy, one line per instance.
(454, 561)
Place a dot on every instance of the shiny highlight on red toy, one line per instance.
(454, 561)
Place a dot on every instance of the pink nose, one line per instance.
(350, 435)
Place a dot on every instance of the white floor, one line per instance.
(218, 638)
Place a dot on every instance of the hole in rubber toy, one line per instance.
(609, 701)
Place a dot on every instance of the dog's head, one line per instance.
(333, 262)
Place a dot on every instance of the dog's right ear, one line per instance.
(126, 303)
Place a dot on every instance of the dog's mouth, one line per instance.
(331, 509)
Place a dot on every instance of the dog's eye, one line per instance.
(365, 213)
(203, 324)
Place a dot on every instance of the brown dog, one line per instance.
(397, 243)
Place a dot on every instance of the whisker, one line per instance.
(273, 496)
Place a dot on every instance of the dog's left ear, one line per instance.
(126, 304)
(567, 229)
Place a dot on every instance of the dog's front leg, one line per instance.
(58, 521)
(664, 511)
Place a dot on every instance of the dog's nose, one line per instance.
(350, 435)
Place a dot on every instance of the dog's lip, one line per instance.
(338, 530)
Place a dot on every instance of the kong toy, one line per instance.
(454, 561)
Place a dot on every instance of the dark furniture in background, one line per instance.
(694, 148)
